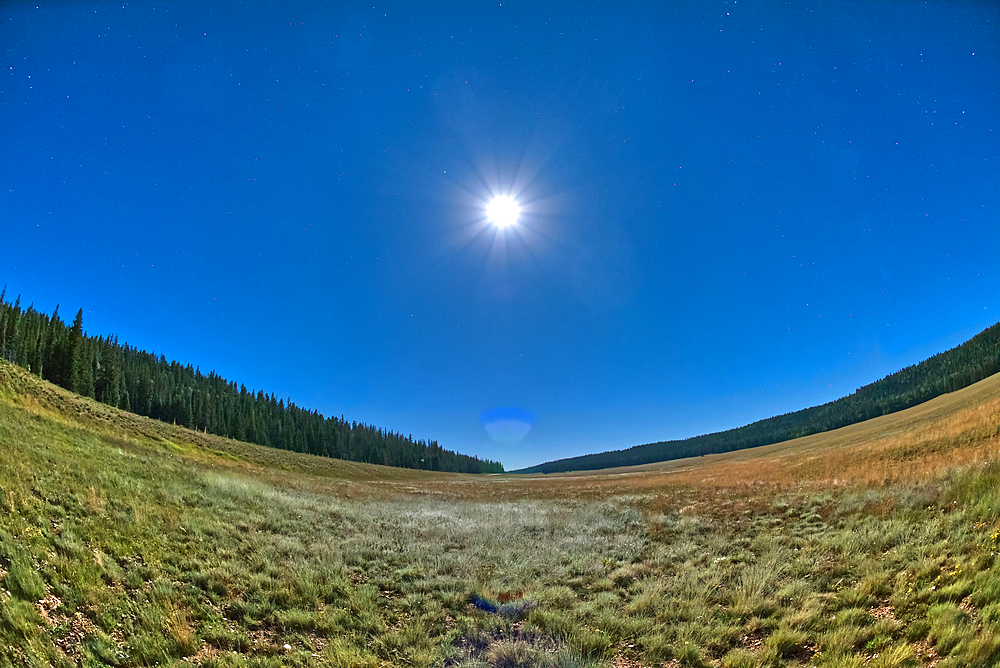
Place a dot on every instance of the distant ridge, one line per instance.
(963, 365)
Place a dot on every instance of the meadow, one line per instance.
(125, 541)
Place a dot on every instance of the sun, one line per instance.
(503, 211)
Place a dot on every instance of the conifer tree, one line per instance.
(79, 360)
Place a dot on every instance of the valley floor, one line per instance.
(127, 542)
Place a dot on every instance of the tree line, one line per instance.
(125, 377)
(968, 363)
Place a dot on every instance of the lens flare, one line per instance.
(507, 425)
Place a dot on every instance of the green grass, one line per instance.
(121, 545)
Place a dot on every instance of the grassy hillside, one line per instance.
(124, 541)
(952, 370)
(125, 377)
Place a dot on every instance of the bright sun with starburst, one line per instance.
(503, 211)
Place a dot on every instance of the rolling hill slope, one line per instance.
(968, 363)
(125, 377)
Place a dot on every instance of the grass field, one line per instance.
(128, 542)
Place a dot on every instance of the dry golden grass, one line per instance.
(916, 444)
(919, 443)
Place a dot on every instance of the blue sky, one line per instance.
(730, 210)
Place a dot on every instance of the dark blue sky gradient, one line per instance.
(731, 210)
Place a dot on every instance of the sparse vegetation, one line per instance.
(125, 542)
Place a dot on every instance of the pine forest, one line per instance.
(138, 381)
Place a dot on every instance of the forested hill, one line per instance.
(140, 382)
(952, 370)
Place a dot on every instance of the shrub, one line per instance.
(511, 654)
(981, 651)
(22, 580)
(739, 658)
(785, 643)
(689, 656)
(899, 655)
(657, 648)
(950, 625)
(554, 623)
(589, 643)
